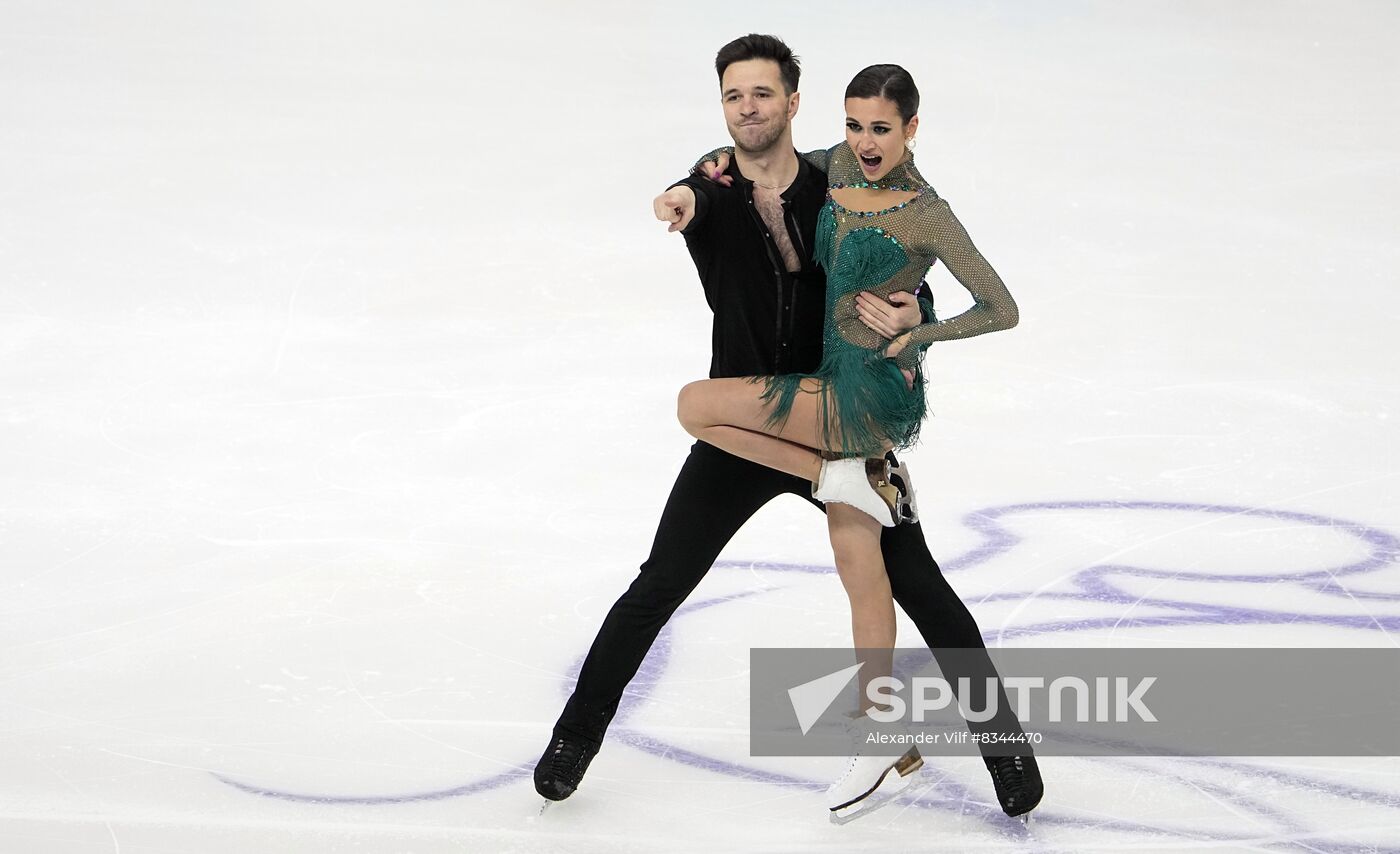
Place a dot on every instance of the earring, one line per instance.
(909, 143)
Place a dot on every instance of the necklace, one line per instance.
(776, 186)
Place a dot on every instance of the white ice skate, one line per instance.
(863, 484)
(871, 779)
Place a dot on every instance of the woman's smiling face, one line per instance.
(876, 133)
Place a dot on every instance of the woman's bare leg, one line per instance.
(855, 543)
(732, 415)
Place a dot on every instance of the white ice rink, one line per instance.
(338, 360)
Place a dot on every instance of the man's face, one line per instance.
(755, 107)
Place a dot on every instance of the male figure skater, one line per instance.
(751, 242)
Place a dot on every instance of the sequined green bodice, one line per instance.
(892, 249)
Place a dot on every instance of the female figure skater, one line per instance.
(881, 229)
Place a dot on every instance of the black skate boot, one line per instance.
(906, 507)
(1018, 784)
(563, 764)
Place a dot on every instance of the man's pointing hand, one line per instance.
(676, 206)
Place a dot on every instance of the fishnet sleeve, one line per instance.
(821, 158)
(994, 309)
(711, 157)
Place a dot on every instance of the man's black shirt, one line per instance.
(766, 320)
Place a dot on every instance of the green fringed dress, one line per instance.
(866, 399)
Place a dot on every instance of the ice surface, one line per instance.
(338, 361)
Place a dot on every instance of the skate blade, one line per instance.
(882, 796)
(907, 504)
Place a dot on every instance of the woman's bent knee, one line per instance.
(689, 406)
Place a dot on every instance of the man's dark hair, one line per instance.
(755, 46)
(890, 82)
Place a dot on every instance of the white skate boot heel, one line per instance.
(863, 484)
(871, 780)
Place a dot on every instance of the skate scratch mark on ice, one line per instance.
(105, 418)
(379, 395)
(291, 308)
(145, 618)
(521, 666)
(401, 724)
(111, 832)
(55, 567)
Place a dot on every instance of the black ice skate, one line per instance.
(561, 768)
(1018, 784)
(906, 507)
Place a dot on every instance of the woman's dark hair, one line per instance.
(755, 46)
(890, 82)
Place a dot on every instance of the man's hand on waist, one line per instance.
(892, 317)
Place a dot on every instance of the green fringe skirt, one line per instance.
(863, 401)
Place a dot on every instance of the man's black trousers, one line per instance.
(714, 495)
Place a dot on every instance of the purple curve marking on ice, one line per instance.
(482, 785)
(1096, 585)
